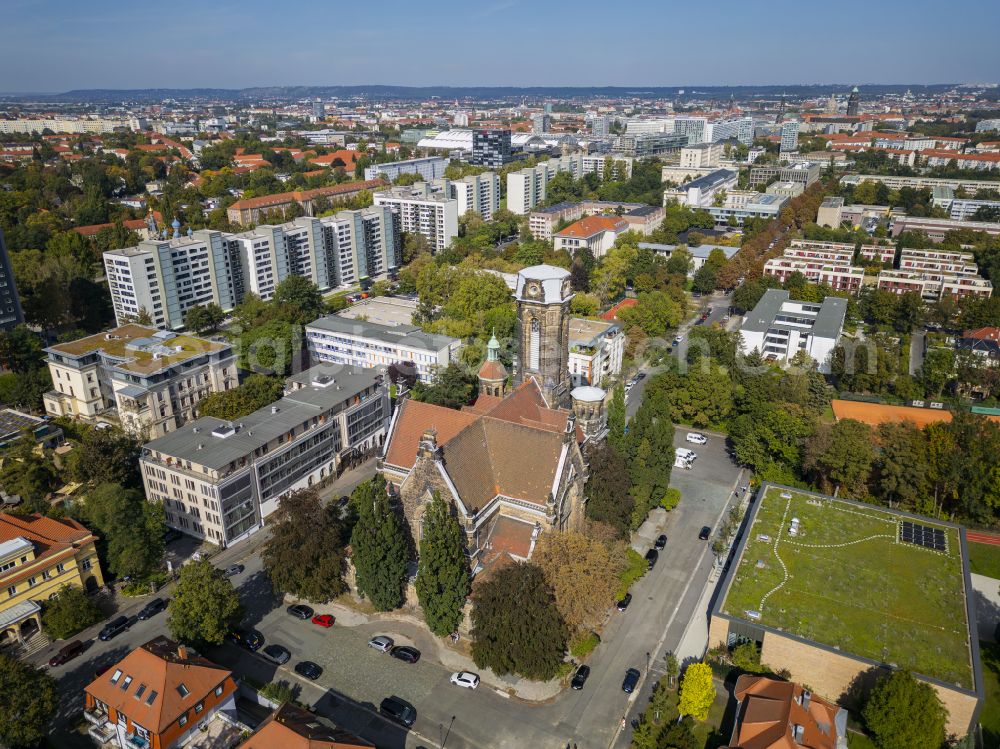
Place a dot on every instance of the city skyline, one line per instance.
(115, 46)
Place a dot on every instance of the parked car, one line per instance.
(651, 556)
(640, 376)
(151, 609)
(705, 533)
(233, 570)
(113, 628)
(580, 677)
(405, 653)
(697, 438)
(683, 452)
(631, 680)
(323, 620)
(661, 542)
(66, 653)
(465, 679)
(300, 611)
(277, 654)
(623, 604)
(399, 710)
(381, 643)
(308, 669)
(251, 640)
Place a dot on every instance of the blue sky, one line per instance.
(57, 45)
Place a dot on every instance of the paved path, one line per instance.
(918, 344)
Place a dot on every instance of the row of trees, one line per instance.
(307, 552)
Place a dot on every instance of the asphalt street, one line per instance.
(356, 677)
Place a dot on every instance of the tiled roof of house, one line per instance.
(771, 711)
(291, 727)
(51, 538)
(591, 225)
(509, 446)
(413, 420)
(983, 334)
(166, 680)
(299, 196)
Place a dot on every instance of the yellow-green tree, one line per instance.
(697, 691)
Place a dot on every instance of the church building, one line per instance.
(511, 463)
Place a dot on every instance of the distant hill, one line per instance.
(291, 93)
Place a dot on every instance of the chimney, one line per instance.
(182, 652)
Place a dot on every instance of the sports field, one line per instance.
(848, 579)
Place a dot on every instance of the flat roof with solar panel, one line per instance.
(856, 578)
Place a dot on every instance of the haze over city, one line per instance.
(59, 45)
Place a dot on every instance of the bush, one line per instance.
(583, 645)
(145, 586)
(746, 657)
(278, 691)
(636, 567)
(671, 499)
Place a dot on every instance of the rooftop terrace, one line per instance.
(856, 578)
(139, 348)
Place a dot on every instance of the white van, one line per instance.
(680, 462)
(697, 438)
(683, 452)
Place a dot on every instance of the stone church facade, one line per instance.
(511, 464)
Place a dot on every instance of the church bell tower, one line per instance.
(543, 294)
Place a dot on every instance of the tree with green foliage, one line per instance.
(452, 387)
(131, 529)
(746, 657)
(28, 475)
(299, 299)
(608, 490)
(69, 611)
(107, 456)
(443, 579)
(697, 691)
(379, 546)
(904, 713)
(204, 318)
(21, 350)
(704, 398)
(655, 312)
(204, 607)
(305, 554)
(616, 419)
(769, 438)
(840, 455)
(256, 392)
(516, 625)
(902, 475)
(28, 702)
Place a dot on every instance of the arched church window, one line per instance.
(535, 345)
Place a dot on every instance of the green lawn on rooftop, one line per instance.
(851, 584)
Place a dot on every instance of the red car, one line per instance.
(323, 620)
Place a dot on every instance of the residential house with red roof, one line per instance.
(774, 714)
(249, 210)
(291, 727)
(38, 556)
(157, 697)
(595, 233)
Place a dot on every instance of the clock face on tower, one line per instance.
(534, 289)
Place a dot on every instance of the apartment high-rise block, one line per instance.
(789, 136)
(853, 103)
(11, 314)
(165, 278)
(420, 209)
(491, 148)
(541, 122)
(477, 192)
(600, 126)
(526, 187)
